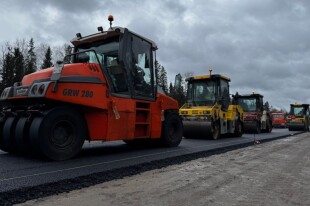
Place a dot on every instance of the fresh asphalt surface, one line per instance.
(18, 172)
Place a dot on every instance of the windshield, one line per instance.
(201, 93)
(248, 104)
(105, 53)
(297, 111)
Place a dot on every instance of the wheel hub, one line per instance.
(62, 134)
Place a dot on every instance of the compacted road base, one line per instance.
(273, 173)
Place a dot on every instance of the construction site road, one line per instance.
(21, 172)
(273, 173)
(24, 178)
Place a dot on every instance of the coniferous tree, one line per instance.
(31, 59)
(7, 69)
(181, 93)
(163, 79)
(266, 105)
(157, 68)
(68, 50)
(19, 65)
(177, 91)
(161, 76)
(172, 92)
(47, 62)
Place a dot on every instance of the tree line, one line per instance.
(176, 91)
(22, 58)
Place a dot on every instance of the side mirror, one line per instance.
(57, 70)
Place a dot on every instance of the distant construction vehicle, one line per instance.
(103, 91)
(298, 117)
(208, 112)
(278, 120)
(256, 117)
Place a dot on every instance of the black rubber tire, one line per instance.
(59, 134)
(172, 130)
(2, 147)
(22, 135)
(258, 128)
(215, 130)
(269, 126)
(238, 129)
(34, 139)
(8, 133)
(306, 126)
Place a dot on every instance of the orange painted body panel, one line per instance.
(132, 123)
(76, 93)
(108, 117)
(96, 121)
(42, 74)
(122, 127)
(278, 119)
(77, 69)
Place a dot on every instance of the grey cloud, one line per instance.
(261, 45)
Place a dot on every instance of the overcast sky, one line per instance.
(262, 45)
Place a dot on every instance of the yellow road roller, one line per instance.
(298, 117)
(208, 111)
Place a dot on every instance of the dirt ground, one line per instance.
(274, 173)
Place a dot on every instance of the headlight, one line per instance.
(38, 89)
(183, 112)
(206, 112)
(41, 89)
(34, 90)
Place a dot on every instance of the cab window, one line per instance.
(138, 60)
(106, 53)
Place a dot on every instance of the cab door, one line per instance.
(138, 60)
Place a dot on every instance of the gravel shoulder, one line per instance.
(273, 173)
